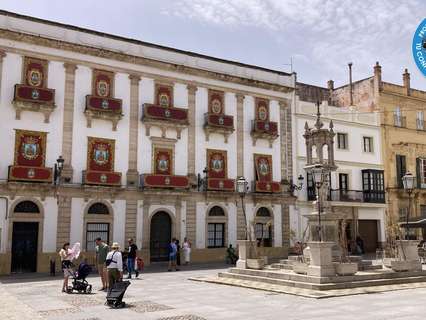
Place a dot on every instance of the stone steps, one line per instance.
(272, 279)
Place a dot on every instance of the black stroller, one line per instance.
(116, 293)
(79, 282)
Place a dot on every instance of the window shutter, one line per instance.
(418, 173)
(400, 169)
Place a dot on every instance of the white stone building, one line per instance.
(357, 186)
(135, 124)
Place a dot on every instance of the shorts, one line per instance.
(172, 258)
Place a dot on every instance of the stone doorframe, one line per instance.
(97, 218)
(26, 217)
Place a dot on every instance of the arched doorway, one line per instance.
(25, 237)
(160, 236)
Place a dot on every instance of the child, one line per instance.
(139, 266)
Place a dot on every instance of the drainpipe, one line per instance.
(350, 84)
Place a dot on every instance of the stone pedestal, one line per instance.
(321, 259)
(408, 255)
(245, 252)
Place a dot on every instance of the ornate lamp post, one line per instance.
(408, 181)
(203, 182)
(59, 165)
(242, 187)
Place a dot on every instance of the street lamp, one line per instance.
(242, 187)
(292, 187)
(408, 181)
(318, 177)
(203, 182)
(59, 165)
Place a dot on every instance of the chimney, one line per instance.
(351, 100)
(378, 76)
(406, 81)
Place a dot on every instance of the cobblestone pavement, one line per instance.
(171, 296)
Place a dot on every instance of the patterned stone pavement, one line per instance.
(171, 296)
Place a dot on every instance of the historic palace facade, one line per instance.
(153, 140)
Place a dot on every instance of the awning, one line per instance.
(421, 223)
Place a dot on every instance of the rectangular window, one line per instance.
(343, 181)
(342, 141)
(373, 185)
(403, 214)
(400, 169)
(421, 172)
(216, 235)
(423, 211)
(368, 144)
(397, 117)
(95, 230)
(420, 120)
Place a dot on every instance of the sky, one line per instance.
(319, 37)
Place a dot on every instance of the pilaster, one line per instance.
(64, 221)
(132, 172)
(192, 89)
(240, 134)
(2, 55)
(70, 69)
(131, 216)
(191, 221)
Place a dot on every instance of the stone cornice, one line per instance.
(107, 54)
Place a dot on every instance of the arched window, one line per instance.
(26, 207)
(98, 208)
(263, 212)
(216, 211)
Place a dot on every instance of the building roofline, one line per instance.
(138, 42)
(354, 82)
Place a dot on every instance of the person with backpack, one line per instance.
(114, 264)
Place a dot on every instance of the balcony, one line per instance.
(103, 108)
(218, 123)
(218, 184)
(101, 178)
(400, 121)
(164, 181)
(267, 187)
(36, 99)
(350, 196)
(30, 174)
(164, 118)
(264, 130)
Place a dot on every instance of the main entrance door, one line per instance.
(368, 232)
(161, 233)
(24, 246)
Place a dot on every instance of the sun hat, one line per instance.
(115, 245)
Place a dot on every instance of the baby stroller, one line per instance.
(116, 293)
(79, 282)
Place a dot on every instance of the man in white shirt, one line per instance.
(114, 263)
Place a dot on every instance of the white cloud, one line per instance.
(334, 31)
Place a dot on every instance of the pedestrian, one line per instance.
(102, 250)
(177, 253)
(231, 256)
(186, 250)
(131, 259)
(172, 255)
(66, 254)
(114, 264)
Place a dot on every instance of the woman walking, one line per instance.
(186, 250)
(66, 255)
(114, 264)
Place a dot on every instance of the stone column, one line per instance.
(67, 172)
(131, 216)
(191, 222)
(64, 221)
(286, 140)
(2, 55)
(241, 230)
(192, 89)
(132, 171)
(285, 225)
(178, 227)
(146, 230)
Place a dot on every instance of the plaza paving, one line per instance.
(171, 296)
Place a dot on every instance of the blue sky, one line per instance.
(320, 36)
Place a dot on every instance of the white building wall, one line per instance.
(119, 207)
(50, 224)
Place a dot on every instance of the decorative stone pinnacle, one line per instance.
(319, 123)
